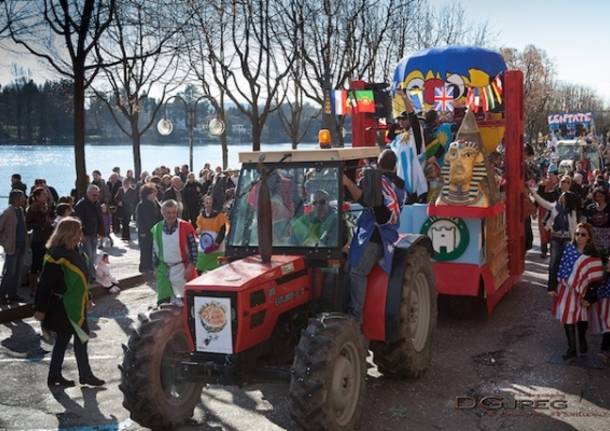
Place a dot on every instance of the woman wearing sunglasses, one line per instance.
(580, 267)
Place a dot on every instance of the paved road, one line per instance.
(505, 356)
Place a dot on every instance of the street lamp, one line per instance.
(165, 127)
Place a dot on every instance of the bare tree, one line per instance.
(65, 34)
(447, 26)
(252, 61)
(538, 83)
(339, 41)
(142, 51)
(291, 113)
(206, 34)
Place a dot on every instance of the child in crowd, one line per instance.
(107, 219)
(104, 277)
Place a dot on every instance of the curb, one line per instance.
(23, 311)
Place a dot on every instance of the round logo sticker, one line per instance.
(213, 316)
(449, 237)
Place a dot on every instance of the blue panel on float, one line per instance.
(414, 216)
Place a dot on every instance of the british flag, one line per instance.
(443, 98)
(576, 272)
(390, 199)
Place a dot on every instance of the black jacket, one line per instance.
(147, 215)
(90, 215)
(192, 194)
(51, 287)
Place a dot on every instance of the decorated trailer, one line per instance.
(475, 220)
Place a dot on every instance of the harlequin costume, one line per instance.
(175, 247)
(212, 228)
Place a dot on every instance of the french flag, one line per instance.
(339, 102)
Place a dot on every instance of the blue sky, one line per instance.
(575, 34)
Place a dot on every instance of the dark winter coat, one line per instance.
(147, 215)
(90, 215)
(51, 287)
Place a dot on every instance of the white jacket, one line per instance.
(551, 206)
(103, 276)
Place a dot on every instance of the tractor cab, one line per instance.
(310, 216)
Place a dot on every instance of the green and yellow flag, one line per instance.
(76, 296)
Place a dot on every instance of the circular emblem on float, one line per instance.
(449, 237)
(213, 316)
(205, 240)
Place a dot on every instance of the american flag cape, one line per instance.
(576, 272)
(599, 321)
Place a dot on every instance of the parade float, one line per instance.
(475, 220)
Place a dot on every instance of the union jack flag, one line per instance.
(576, 272)
(443, 98)
(390, 199)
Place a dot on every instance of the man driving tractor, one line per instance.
(319, 227)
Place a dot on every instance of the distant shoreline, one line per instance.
(113, 144)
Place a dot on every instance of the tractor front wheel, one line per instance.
(328, 375)
(410, 355)
(151, 393)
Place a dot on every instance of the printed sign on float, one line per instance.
(570, 122)
(213, 331)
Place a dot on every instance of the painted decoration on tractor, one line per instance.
(213, 324)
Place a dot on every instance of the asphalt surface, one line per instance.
(506, 356)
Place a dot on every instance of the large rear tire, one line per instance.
(410, 356)
(150, 393)
(328, 375)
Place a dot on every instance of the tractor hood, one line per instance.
(244, 273)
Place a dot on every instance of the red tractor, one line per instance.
(276, 309)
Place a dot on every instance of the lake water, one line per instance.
(56, 163)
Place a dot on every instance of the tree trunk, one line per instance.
(225, 150)
(257, 131)
(79, 133)
(135, 144)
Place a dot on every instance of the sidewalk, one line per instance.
(124, 260)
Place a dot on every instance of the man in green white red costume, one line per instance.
(175, 254)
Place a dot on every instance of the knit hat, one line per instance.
(553, 169)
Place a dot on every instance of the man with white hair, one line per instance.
(174, 254)
(89, 211)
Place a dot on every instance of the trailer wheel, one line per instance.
(328, 374)
(410, 355)
(150, 393)
(467, 307)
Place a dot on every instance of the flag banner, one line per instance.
(443, 98)
(365, 101)
(576, 272)
(339, 102)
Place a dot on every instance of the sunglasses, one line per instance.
(583, 234)
(320, 202)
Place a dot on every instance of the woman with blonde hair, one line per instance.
(62, 300)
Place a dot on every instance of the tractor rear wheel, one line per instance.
(328, 374)
(150, 392)
(410, 355)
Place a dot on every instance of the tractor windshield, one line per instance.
(304, 202)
